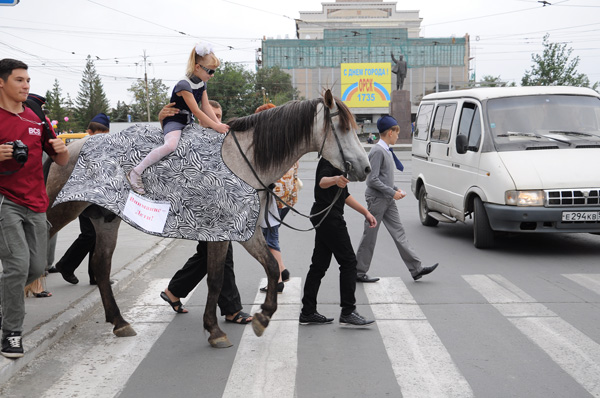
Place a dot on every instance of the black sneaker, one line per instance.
(314, 319)
(12, 345)
(355, 320)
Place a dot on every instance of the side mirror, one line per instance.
(462, 142)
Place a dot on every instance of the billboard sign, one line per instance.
(366, 85)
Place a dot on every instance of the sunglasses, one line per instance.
(209, 71)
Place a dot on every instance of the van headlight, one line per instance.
(524, 198)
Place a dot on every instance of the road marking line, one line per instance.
(572, 350)
(589, 281)
(266, 366)
(105, 368)
(422, 365)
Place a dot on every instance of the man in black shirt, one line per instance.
(332, 237)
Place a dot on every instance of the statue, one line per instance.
(399, 69)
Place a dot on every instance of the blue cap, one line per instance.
(102, 119)
(385, 123)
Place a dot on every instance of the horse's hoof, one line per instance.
(125, 331)
(260, 323)
(220, 342)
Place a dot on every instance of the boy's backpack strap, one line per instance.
(37, 109)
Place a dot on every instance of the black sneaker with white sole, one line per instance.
(355, 320)
(12, 345)
(314, 319)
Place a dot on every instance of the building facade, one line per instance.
(366, 32)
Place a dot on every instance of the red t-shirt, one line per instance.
(25, 187)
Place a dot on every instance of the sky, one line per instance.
(129, 38)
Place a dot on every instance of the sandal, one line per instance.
(42, 294)
(176, 305)
(241, 318)
(137, 188)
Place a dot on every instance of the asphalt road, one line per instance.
(521, 320)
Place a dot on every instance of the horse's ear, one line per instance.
(328, 98)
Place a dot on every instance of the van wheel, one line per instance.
(483, 235)
(426, 219)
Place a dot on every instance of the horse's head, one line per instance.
(338, 140)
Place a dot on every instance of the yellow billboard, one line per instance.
(366, 85)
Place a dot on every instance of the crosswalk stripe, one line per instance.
(589, 281)
(262, 363)
(572, 350)
(422, 365)
(106, 378)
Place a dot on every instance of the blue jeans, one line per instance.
(23, 246)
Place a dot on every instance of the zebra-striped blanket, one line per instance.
(207, 201)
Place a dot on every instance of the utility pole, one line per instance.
(146, 82)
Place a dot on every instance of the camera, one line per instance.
(20, 151)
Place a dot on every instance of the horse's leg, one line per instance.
(106, 225)
(215, 253)
(258, 248)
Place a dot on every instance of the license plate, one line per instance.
(581, 216)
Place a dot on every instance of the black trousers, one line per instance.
(331, 238)
(81, 247)
(186, 279)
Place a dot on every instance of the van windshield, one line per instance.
(544, 122)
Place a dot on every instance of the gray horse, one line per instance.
(259, 149)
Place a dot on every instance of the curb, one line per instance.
(46, 334)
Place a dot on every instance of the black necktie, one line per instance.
(399, 164)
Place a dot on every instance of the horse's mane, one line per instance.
(278, 131)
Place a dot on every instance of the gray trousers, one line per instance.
(23, 246)
(385, 210)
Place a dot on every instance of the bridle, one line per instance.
(271, 194)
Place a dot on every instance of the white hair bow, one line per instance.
(203, 49)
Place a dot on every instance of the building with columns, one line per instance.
(346, 34)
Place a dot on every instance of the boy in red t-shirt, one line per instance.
(23, 200)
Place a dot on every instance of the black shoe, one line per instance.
(354, 320)
(52, 270)
(366, 279)
(285, 275)
(12, 345)
(70, 278)
(280, 287)
(314, 319)
(425, 271)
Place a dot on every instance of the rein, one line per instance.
(271, 194)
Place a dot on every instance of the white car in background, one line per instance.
(516, 159)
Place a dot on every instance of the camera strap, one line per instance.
(7, 173)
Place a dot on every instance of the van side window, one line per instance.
(422, 122)
(442, 123)
(470, 125)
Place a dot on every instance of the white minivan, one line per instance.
(516, 159)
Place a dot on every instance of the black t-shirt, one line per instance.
(324, 197)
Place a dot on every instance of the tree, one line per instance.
(233, 87)
(555, 68)
(492, 81)
(277, 84)
(119, 114)
(158, 94)
(91, 98)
